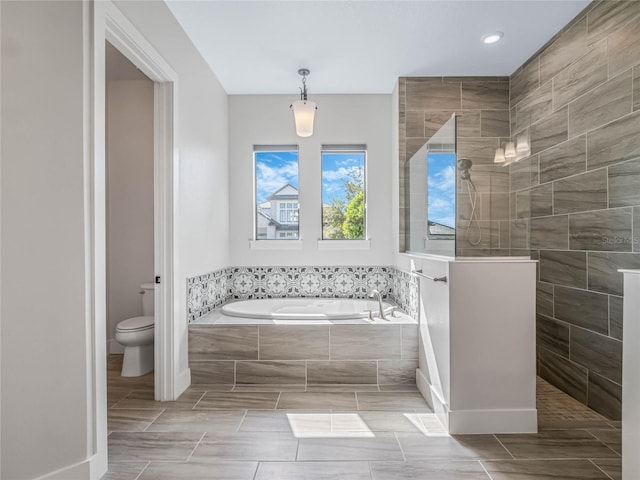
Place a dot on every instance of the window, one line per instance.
(276, 192)
(289, 212)
(343, 192)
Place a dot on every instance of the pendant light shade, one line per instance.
(510, 152)
(304, 111)
(523, 147)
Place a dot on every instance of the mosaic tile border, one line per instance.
(209, 291)
(405, 291)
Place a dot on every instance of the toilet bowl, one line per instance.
(136, 335)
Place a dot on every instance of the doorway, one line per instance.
(130, 269)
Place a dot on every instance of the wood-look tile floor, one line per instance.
(263, 432)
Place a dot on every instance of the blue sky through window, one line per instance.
(441, 177)
(336, 168)
(273, 171)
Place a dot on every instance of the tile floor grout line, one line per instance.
(255, 474)
(153, 421)
(596, 465)
(502, 444)
(485, 470)
(602, 442)
(194, 448)
(297, 449)
(201, 397)
(246, 411)
(370, 471)
(404, 457)
(142, 471)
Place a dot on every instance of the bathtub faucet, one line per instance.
(378, 296)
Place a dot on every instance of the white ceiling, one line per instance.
(360, 46)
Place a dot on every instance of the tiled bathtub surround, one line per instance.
(382, 354)
(577, 198)
(208, 291)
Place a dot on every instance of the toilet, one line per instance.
(136, 335)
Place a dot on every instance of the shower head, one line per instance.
(464, 166)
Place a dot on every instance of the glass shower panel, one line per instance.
(431, 194)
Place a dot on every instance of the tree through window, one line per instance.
(343, 192)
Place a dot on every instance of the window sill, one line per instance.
(275, 244)
(344, 244)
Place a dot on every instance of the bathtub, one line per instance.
(305, 308)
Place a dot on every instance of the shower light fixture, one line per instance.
(304, 111)
(511, 152)
(492, 38)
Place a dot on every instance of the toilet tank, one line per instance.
(147, 299)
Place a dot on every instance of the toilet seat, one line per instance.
(135, 324)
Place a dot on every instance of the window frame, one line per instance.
(257, 149)
(344, 148)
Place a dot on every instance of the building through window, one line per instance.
(276, 191)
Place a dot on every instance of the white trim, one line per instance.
(95, 248)
(433, 399)
(275, 244)
(183, 380)
(493, 421)
(344, 244)
(103, 21)
(77, 471)
(125, 37)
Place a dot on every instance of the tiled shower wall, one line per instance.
(208, 291)
(482, 107)
(576, 202)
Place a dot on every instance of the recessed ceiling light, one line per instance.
(492, 37)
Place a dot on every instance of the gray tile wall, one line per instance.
(482, 106)
(580, 192)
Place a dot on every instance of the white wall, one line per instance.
(129, 198)
(47, 326)
(45, 379)
(340, 119)
(202, 146)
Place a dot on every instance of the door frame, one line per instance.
(106, 22)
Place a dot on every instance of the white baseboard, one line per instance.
(423, 385)
(477, 421)
(99, 465)
(433, 398)
(493, 421)
(183, 381)
(113, 347)
(77, 471)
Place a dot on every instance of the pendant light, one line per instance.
(304, 111)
